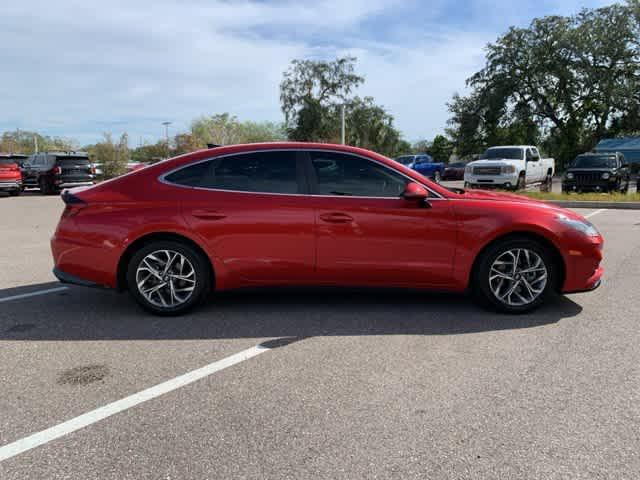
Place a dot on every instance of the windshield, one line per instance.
(456, 165)
(508, 153)
(406, 160)
(593, 161)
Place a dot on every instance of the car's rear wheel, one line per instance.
(15, 193)
(515, 275)
(547, 184)
(168, 277)
(45, 187)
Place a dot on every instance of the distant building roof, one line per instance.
(629, 147)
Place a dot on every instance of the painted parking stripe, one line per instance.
(593, 214)
(86, 419)
(33, 294)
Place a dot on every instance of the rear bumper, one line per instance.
(73, 280)
(10, 185)
(74, 184)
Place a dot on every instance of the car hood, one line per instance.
(499, 197)
(594, 169)
(494, 162)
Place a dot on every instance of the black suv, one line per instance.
(597, 172)
(53, 171)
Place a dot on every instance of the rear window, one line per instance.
(7, 161)
(260, 172)
(70, 161)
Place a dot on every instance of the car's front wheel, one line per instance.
(168, 277)
(515, 275)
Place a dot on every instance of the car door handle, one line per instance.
(336, 217)
(208, 215)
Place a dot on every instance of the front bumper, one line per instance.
(599, 186)
(506, 180)
(583, 269)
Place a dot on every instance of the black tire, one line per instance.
(522, 183)
(624, 190)
(480, 286)
(547, 185)
(15, 193)
(45, 187)
(201, 268)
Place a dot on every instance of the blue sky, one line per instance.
(79, 68)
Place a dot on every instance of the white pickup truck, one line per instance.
(510, 167)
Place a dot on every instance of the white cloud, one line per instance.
(76, 68)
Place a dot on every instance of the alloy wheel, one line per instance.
(166, 278)
(518, 277)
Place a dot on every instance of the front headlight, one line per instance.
(569, 176)
(508, 169)
(581, 226)
(606, 176)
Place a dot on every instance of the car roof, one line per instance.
(13, 155)
(513, 146)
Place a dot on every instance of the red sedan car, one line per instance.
(314, 214)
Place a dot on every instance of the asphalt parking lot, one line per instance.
(367, 384)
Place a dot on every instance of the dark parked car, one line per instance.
(454, 171)
(10, 175)
(53, 171)
(424, 164)
(599, 172)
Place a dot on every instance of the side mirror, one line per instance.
(415, 193)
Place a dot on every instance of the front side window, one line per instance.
(344, 174)
(259, 172)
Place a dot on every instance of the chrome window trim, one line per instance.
(162, 178)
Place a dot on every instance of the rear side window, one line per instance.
(344, 174)
(259, 172)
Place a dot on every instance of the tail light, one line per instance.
(73, 204)
(56, 170)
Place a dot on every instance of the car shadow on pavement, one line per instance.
(79, 314)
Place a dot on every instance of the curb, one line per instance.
(595, 204)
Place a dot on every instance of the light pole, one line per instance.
(166, 136)
(342, 129)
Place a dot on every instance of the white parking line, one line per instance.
(32, 294)
(86, 419)
(593, 214)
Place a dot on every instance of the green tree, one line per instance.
(569, 77)
(111, 156)
(310, 92)
(440, 149)
(24, 141)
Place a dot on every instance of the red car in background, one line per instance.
(10, 173)
(315, 214)
(453, 171)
